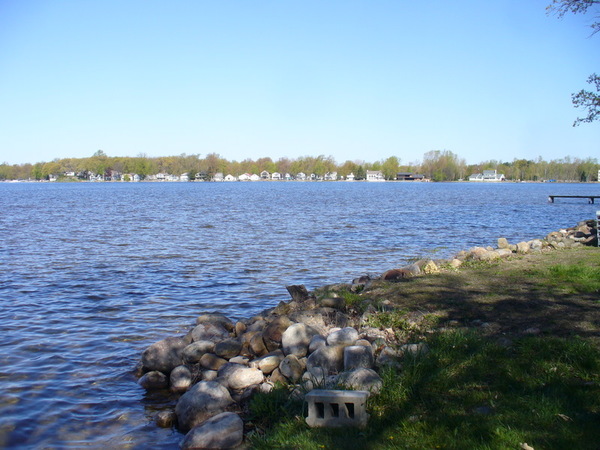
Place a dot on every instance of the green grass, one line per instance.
(467, 392)
(578, 277)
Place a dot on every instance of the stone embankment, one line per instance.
(316, 340)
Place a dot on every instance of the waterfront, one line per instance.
(93, 273)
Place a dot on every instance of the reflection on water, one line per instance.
(93, 273)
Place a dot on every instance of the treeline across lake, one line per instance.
(436, 165)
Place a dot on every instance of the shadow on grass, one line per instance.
(469, 392)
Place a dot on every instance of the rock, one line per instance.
(242, 377)
(333, 302)
(523, 247)
(536, 244)
(240, 328)
(277, 377)
(388, 357)
(209, 332)
(414, 350)
(193, 352)
(225, 430)
(228, 348)
(316, 342)
(456, 263)
(181, 379)
(504, 252)
(477, 253)
(362, 380)
(274, 331)
(503, 243)
(256, 343)
(291, 368)
(166, 419)
(216, 319)
(358, 357)
(257, 323)
(209, 375)
(154, 380)
(237, 376)
(396, 274)
(268, 363)
(430, 267)
(244, 360)
(165, 354)
(296, 339)
(329, 359)
(211, 361)
(489, 256)
(298, 292)
(345, 336)
(204, 400)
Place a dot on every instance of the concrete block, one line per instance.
(333, 408)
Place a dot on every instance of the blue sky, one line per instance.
(357, 80)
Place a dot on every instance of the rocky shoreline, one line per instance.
(318, 339)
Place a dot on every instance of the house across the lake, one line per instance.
(409, 176)
(487, 175)
(375, 175)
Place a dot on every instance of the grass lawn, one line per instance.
(514, 358)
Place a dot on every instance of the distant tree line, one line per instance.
(437, 165)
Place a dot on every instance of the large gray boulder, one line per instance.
(268, 363)
(296, 338)
(345, 336)
(154, 380)
(228, 348)
(358, 357)
(237, 376)
(203, 401)
(328, 359)
(165, 354)
(216, 318)
(291, 368)
(209, 332)
(181, 379)
(273, 333)
(193, 352)
(362, 380)
(225, 430)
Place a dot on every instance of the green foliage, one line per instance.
(583, 99)
(438, 165)
(266, 409)
(588, 100)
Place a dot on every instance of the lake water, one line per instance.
(92, 273)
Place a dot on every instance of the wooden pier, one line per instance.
(589, 197)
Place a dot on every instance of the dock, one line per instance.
(590, 198)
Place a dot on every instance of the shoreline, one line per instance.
(316, 339)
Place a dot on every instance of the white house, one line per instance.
(230, 177)
(244, 177)
(331, 176)
(487, 175)
(375, 175)
(254, 177)
(301, 176)
(275, 176)
(350, 177)
(218, 177)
